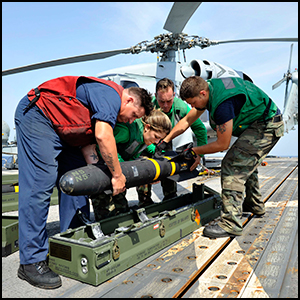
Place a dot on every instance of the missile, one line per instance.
(96, 178)
(10, 188)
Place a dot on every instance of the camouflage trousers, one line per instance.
(239, 175)
(144, 191)
(106, 206)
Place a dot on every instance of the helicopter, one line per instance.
(290, 113)
(170, 49)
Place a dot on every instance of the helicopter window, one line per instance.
(127, 84)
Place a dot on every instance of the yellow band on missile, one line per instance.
(157, 167)
(16, 189)
(172, 164)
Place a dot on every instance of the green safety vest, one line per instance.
(258, 105)
(134, 144)
(179, 110)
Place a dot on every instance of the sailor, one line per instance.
(175, 109)
(236, 108)
(131, 140)
(52, 122)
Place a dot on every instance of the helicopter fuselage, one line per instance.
(147, 75)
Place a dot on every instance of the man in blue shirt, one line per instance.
(46, 152)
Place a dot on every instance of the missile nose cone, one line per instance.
(66, 183)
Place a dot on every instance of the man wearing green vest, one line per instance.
(175, 109)
(236, 108)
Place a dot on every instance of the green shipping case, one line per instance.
(85, 255)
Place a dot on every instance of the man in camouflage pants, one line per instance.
(239, 173)
(106, 206)
(236, 108)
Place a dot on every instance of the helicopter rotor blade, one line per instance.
(288, 76)
(257, 40)
(277, 84)
(179, 15)
(289, 67)
(63, 61)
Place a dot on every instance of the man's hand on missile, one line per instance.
(196, 163)
(118, 184)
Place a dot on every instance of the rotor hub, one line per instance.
(171, 42)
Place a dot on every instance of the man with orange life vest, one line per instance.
(53, 122)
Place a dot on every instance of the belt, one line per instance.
(276, 119)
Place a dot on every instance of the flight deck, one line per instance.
(263, 262)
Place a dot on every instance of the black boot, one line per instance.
(215, 231)
(39, 275)
(144, 200)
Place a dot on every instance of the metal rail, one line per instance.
(194, 278)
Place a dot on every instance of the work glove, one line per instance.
(160, 147)
(189, 153)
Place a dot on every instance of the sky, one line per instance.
(40, 31)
